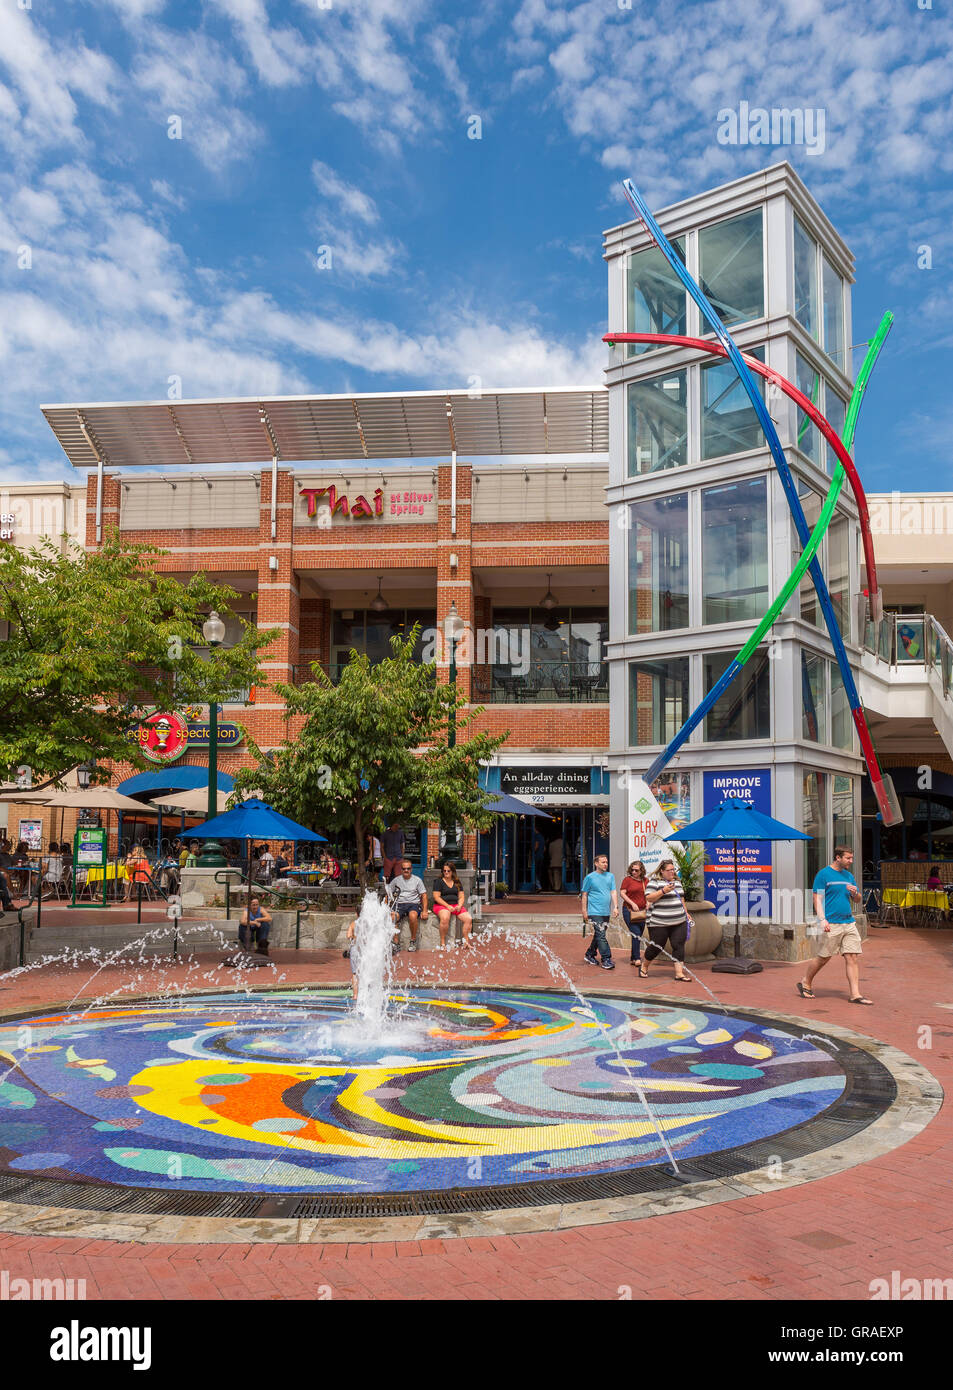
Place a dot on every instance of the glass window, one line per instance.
(836, 412)
(658, 423)
(658, 694)
(808, 435)
(842, 721)
(655, 296)
(834, 316)
(842, 807)
(813, 698)
(658, 564)
(811, 502)
(731, 264)
(805, 280)
(744, 710)
(735, 551)
(814, 823)
(729, 422)
(540, 655)
(837, 573)
(366, 631)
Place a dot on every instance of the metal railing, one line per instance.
(546, 682)
(913, 640)
(257, 890)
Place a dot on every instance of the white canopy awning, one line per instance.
(415, 424)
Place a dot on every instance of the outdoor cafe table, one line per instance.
(910, 898)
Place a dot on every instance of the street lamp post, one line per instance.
(453, 627)
(213, 630)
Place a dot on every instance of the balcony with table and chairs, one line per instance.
(549, 682)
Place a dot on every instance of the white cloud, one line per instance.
(279, 55)
(352, 200)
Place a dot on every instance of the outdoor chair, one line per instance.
(895, 912)
(55, 876)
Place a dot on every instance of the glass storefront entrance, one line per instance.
(531, 855)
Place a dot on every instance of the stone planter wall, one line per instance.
(10, 941)
(797, 941)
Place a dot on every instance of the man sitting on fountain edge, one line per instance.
(408, 898)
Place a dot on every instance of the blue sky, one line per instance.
(344, 123)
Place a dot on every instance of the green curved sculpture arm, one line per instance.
(830, 502)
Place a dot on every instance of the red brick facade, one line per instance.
(300, 547)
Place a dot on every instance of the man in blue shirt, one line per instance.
(600, 901)
(834, 888)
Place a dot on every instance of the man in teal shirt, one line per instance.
(834, 888)
(600, 901)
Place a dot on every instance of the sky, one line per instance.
(172, 176)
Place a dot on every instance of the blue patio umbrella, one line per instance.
(735, 819)
(255, 820)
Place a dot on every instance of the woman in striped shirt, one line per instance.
(668, 920)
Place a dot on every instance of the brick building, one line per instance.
(341, 554)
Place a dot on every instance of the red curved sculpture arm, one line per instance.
(715, 349)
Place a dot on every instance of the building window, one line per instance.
(655, 297)
(658, 564)
(842, 720)
(744, 710)
(810, 611)
(813, 698)
(834, 316)
(658, 423)
(809, 384)
(814, 823)
(837, 573)
(731, 265)
(805, 280)
(362, 630)
(729, 422)
(658, 694)
(735, 551)
(545, 656)
(842, 807)
(835, 408)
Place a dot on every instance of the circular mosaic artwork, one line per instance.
(284, 1092)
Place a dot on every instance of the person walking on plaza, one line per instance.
(449, 901)
(393, 843)
(667, 919)
(632, 893)
(600, 902)
(408, 898)
(834, 887)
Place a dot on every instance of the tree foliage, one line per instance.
(94, 640)
(374, 748)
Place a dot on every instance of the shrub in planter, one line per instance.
(502, 888)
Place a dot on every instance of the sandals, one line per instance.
(643, 973)
(803, 991)
(860, 1000)
(683, 979)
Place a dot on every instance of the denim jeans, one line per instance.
(600, 942)
(634, 931)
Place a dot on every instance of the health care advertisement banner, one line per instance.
(754, 856)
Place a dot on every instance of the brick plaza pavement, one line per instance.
(822, 1240)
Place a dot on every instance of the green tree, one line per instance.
(93, 640)
(375, 746)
